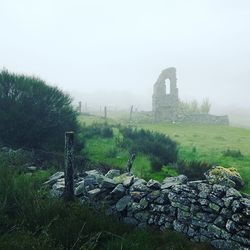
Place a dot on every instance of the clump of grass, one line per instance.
(112, 152)
(232, 153)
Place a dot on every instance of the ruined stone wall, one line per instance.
(204, 212)
(203, 119)
(165, 106)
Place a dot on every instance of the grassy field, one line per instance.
(196, 142)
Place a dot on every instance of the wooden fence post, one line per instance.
(80, 107)
(69, 167)
(131, 113)
(130, 162)
(105, 114)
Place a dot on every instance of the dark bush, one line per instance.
(155, 162)
(160, 147)
(97, 129)
(232, 153)
(33, 114)
(194, 170)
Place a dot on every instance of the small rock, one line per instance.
(122, 204)
(107, 183)
(53, 179)
(130, 221)
(153, 184)
(118, 191)
(233, 192)
(32, 168)
(172, 181)
(124, 179)
(137, 196)
(93, 193)
(214, 207)
(226, 244)
(153, 195)
(113, 173)
(142, 216)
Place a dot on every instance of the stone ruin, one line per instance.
(202, 210)
(165, 106)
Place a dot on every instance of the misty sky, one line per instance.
(116, 49)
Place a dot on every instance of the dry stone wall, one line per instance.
(204, 212)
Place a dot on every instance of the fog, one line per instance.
(111, 52)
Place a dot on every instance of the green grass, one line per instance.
(103, 150)
(207, 143)
(196, 142)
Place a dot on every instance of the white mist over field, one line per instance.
(111, 52)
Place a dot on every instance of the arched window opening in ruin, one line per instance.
(167, 83)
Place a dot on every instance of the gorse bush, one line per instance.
(97, 129)
(160, 147)
(33, 114)
(194, 170)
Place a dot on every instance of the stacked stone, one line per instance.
(204, 212)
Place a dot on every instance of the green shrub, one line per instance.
(161, 149)
(156, 164)
(232, 153)
(33, 114)
(194, 170)
(97, 129)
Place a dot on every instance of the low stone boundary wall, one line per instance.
(204, 212)
(203, 119)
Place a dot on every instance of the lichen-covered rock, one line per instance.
(232, 227)
(172, 181)
(153, 184)
(224, 176)
(118, 191)
(137, 196)
(229, 245)
(53, 178)
(107, 183)
(142, 216)
(153, 195)
(57, 190)
(125, 179)
(122, 204)
(113, 173)
(94, 192)
(204, 190)
(231, 192)
(139, 186)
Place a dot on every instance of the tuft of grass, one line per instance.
(232, 153)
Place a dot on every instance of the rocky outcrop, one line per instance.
(204, 211)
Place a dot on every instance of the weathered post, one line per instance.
(130, 162)
(105, 114)
(131, 113)
(80, 107)
(69, 167)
